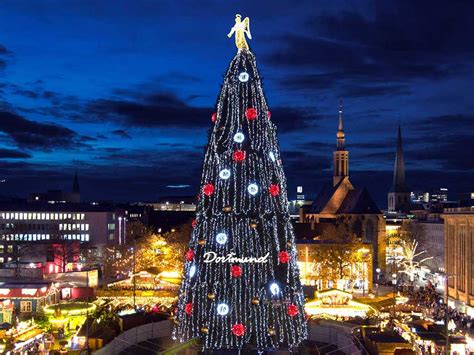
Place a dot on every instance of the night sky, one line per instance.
(123, 91)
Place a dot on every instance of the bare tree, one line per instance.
(404, 246)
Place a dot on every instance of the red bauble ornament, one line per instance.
(190, 255)
(236, 271)
(214, 117)
(188, 308)
(274, 190)
(292, 310)
(194, 223)
(251, 113)
(284, 257)
(238, 329)
(208, 189)
(269, 114)
(239, 155)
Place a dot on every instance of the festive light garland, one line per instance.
(243, 211)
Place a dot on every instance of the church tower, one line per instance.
(340, 155)
(399, 195)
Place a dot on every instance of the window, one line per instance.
(10, 249)
(26, 306)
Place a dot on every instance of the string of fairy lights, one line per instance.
(242, 209)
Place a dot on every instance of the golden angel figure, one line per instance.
(241, 28)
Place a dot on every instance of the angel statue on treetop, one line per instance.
(240, 29)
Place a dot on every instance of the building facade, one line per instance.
(357, 272)
(459, 256)
(50, 236)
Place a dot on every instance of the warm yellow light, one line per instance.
(170, 275)
(241, 28)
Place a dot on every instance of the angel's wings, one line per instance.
(246, 21)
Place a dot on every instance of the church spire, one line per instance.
(75, 185)
(399, 194)
(399, 184)
(340, 131)
(340, 155)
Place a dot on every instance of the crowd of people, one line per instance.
(436, 308)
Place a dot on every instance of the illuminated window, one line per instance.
(2, 260)
(87, 237)
(83, 216)
(2, 248)
(26, 306)
(16, 215)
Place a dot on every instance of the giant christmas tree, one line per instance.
(241, 286)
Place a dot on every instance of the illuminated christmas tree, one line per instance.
(241, 286)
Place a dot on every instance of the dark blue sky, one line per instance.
(123, 90)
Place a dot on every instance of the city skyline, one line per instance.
(124, 93)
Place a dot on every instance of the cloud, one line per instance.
(4, 55)
(378, 52)
(165, 109)
(374, 90)
(13, 154)
(121, 133)
(36, 135)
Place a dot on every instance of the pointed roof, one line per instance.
(75, 185)
(399, 184)
(358, 202)
(340, 131)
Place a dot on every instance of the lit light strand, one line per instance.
(274, 232)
